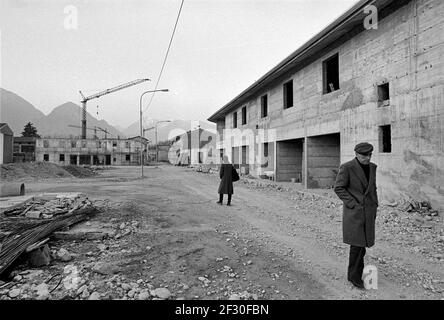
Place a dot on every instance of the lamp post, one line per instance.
(141, 128)
(157, 144)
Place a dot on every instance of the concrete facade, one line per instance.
(404, 54)
(119, 152)
(6, 144)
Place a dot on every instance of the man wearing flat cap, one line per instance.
(356, 186)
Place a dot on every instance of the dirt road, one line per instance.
(271, 244)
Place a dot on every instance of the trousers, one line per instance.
(221, 197)
(356, 263)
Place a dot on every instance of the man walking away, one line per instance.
(226, 182)
(356, 186)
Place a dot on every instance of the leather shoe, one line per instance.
(359, 285)
(229, 204)
(219, 202)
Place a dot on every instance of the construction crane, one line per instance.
(95, 129)
(102, 93)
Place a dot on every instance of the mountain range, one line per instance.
(17, 112)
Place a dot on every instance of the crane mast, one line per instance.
(102, 93)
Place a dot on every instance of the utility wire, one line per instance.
(166, 56)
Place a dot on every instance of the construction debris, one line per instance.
(81, 171)
(23, 232)
(424, 207)
(8, 205)
(49, 204)
(205, 168)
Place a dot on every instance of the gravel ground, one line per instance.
(171, 240)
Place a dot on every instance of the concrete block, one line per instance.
(33, 214)
(40, 256)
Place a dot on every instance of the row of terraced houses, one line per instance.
(350, 83)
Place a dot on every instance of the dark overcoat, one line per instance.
(226, 176)
(360, 203)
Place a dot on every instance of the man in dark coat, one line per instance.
(356, 187)
(226, 182)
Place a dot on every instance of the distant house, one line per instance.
(6, 143)
(193, 148)
(24, 149)
(142, 141)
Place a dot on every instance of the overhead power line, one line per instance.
(166, 56)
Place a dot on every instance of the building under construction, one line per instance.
(108, 152)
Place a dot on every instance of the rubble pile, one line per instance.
(424, 208)
(203, 168)
(81, 171)
(31, 170)
(41, 208)
(416, 226)
(79, 283)
(420, 212)
(47, 205)
(325, 200)
(259, 184)
(125, 228)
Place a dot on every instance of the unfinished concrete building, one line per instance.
(116, 152)
(352, 82)
(193, 148)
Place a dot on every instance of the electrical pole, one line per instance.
(141, 136)
(157, 148)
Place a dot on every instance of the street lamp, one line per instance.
(141, 128)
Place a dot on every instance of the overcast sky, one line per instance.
(219, 49)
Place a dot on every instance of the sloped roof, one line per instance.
(5, 129)
(138, 138)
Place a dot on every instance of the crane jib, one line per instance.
(98, 95)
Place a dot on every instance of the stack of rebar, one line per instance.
(22, 234)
